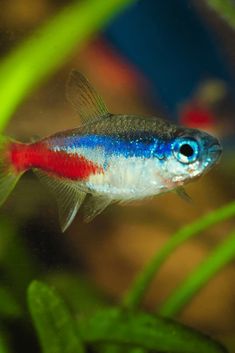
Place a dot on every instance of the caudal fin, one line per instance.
(8, 175)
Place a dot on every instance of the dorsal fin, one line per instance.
(93, 206)
(83, 97)
(69, 198)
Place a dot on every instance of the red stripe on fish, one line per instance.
(60, 163)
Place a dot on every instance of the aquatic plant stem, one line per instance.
(205, 271)
(137, 291)
(46, 50)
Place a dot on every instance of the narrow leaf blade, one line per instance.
(54, 324)
(185, 292)
(139, 288)
(4, 342)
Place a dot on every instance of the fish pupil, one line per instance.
(186, 150)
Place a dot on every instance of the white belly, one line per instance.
(128, 179)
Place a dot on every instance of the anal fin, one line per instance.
(93, 206)
(69, 198)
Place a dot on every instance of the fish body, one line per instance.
(109, 158)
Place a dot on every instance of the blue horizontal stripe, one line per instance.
(119, 147)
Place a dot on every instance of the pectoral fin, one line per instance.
(83, 97)
(69, 198)
(93, 206)
(183, 194)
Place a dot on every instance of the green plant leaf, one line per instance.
(4, 342)
(119, 349)
(206, 270)
(143, 280)
(54, 324)
(47, 49)
(225, 9)
(137, 329)
(78, 293)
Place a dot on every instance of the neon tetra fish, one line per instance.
(109, 158)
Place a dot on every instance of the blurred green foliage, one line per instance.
(53, 321)
(46, 50)
(4, 343)
(136, 293)
(225, 9)
(59, 332)
(86, 320)
(224, 253)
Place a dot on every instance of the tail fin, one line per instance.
(8, 176)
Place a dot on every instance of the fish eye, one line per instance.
(186, 150)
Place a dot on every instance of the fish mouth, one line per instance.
(215, 150)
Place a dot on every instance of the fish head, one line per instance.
(190, 153)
